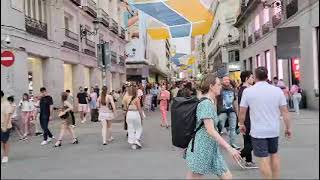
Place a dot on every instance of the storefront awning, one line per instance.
(178, 18)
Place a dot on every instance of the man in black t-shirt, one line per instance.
(247, 80)
(83, 104)
(46, 109)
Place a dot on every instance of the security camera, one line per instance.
(7, 39)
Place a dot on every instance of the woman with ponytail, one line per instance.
(107, 110)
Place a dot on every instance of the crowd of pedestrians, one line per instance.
(228, 108)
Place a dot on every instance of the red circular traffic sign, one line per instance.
(7, 58)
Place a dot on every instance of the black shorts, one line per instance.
(262, 147)
(5, 136)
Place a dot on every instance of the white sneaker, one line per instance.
(133, 146)
(83, 121)
(111, 139)
(44, 143)
(5, 159)
(50, 139)
(138, 143)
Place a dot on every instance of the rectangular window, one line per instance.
(28, 8)
(40, 10)
(258, 60)
(257, 23)
(266, 17)
(34, 9)
(245, 65)
(268, 63)
(66, 23)
(250, 28)
(43, 9)
(251, 63)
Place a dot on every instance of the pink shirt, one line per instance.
(294, 89)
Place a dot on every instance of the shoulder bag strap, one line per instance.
(130, 103)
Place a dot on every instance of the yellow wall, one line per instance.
(235, 75)
(68, 79)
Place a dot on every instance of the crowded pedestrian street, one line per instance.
(160, 89)
(158, 159)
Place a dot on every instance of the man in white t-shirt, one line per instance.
(266, 103)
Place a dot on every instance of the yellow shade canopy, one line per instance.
(178, 18)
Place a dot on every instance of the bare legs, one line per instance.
(275, 166)
(63, 129)
(26, 122)
(270, 166)
(106, 131)
(5, 147)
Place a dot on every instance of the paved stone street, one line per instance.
(157, 159)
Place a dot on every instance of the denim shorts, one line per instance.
(5, 136)
(262, 147)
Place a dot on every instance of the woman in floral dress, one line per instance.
(206, 157)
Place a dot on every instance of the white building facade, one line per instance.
(222, 42)
(51, 49)
(261, 21)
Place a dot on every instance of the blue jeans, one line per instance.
(232, 124)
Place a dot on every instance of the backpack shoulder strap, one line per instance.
(198, 128)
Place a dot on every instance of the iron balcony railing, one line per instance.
(250, 39)
(257, 35)
(292, 8)
(114, 26)
(90, 7)
(36, 27)
(122, 61)
(123, 33)
(266, 28)
(104, 17)
(276, 19)
(76, 2)
(71, 40)
(90, 48)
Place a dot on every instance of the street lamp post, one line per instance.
(84, 32)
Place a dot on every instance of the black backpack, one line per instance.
(183, 121)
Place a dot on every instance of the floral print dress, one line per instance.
(206, 157)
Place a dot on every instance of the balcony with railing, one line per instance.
(71, 40)
(114, 26)
(122, 61)
(113, 58)
(90, 7)
(36, 27)
(265, 28)
(250, 39)
(292, 8)
(104, 17)
(257, 35)
(276, 19)
(76, 2)
(123, 33)
(89, 48)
